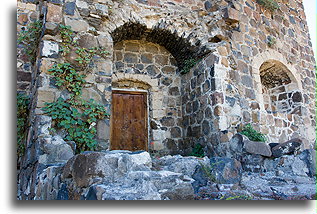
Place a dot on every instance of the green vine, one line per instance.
(85, 55)
(22, 117)
(271, 5)
(68, 77)
(75, 116)
(252, 134)
(30, 39)
(78, 119)
(68, 41)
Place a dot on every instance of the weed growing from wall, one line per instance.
(271, 41)
(188, 64)
(252, 134)
(271, 5)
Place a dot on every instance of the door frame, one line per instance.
(132, 91)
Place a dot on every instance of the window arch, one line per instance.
(280, 90)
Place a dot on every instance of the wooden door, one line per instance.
(129, 121)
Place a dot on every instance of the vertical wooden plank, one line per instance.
(129, 121)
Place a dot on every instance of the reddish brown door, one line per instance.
(129, 121)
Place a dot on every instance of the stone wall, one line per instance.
(249, 49)
(149, 43)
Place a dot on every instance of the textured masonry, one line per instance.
(239, 77)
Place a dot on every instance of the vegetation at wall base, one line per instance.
(22, 119)
(78, 119)
(198, 151)
(252, 134)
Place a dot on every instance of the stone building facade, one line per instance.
(252, 66)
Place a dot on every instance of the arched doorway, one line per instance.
(146, 90)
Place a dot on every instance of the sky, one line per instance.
(311, 16)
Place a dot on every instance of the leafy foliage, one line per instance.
(269, 4)
(252, 134)
(68, 77)
(78, 119)
(30, 39)
(67, 39)
(75, 116)
(85, 55)
(188, 64)
(22, 115)
(198, 151)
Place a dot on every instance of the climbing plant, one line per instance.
(22, 117)
(68, 77)
(74, 115)
(30, 38)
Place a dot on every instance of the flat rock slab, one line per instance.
(286, 148)
(258, 148)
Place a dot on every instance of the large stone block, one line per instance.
(76, 24)
(44, 97)
(231, 15)
(89, 93)
(259, 148)
(54, 13)
(288, 147)
(103, 130)
(50, 49)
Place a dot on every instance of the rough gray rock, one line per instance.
(257, 148)
(288, 147)
(225, 170)
(50, 49)
(269, 186)
(123, 175)
(55, 150)
(240, 144)
(180, 164)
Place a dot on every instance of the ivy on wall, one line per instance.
(74, 115)
(29, 39)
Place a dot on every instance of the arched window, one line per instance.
(279, 88)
